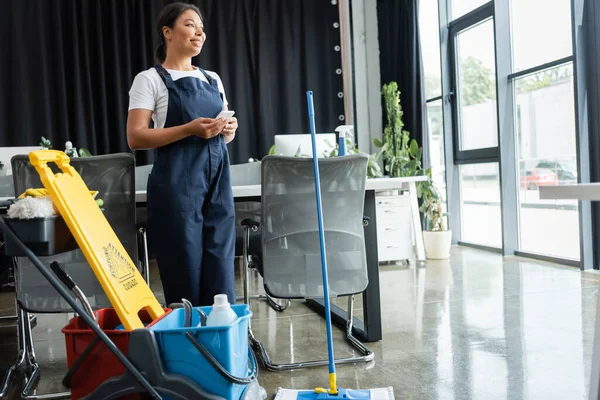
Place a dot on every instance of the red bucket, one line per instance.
(100, 363)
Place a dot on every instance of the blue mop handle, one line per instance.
(311, 117)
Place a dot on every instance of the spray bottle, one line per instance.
(345, 132)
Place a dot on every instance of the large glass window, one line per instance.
(541, 32)
(478, 127)
(545, 126)
(481, 217)
(537, 114)
(435, 121)
(429, 26)
(547, 153)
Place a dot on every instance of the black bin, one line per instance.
(44, 236)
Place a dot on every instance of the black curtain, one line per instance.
(400, 61)
(591, 37)
(70, 64)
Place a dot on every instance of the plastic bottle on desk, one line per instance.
(345, 132)
(221, 314)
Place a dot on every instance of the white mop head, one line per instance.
(32, 207)
(371, 394)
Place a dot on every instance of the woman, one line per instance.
(191, 222)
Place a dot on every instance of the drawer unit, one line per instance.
(395, 239)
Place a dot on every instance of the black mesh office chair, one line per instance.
(113, 177)
(290, 260)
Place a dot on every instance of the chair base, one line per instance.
(270, 301)
(366, 354)
(26, 364)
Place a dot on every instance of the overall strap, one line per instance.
(165, 76)
(211, 80)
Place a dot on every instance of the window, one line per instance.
(430, 43)
(476, 80)
(545, 126)
(480, 212)
(541, 32)
(435, 120)
(509, 102)
(547, 155)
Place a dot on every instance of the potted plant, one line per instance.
(401, 156)
(436, 237)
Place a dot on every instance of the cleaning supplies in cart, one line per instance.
(345, 133)
(32, 207)
(221, 313)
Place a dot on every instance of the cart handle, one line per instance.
(79, 309)
(62, 274)
(39, 157)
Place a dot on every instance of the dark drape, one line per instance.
(591, 34)
(70, 65)
(400, 60)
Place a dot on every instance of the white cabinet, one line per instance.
(395, 237)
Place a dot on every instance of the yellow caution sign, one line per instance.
(123, 284)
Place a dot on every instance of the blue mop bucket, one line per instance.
(181, 351)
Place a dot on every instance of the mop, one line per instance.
(333, 392)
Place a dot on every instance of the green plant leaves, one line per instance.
(83, 152)
(402, 157)
(45, 143)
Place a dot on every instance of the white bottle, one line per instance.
(221, 314)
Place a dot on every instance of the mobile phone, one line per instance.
(225, 114)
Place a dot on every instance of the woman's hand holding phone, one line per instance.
(206, 127)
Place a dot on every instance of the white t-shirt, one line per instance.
(149, 92)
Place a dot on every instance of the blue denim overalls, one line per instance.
(191, 219)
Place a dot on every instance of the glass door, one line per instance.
(475, 127)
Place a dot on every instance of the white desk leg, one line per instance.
(416, 219)
(595, 378)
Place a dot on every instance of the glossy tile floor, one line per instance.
(480, 326)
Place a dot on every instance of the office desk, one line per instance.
(369, 328)
(581, 191)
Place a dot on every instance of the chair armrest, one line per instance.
(250, 223)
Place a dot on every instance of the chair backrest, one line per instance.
(290, 232)
(246, 174)
(141, 176)
(113, 177)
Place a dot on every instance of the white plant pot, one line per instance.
(437, 244)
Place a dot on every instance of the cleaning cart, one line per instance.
(168, 353)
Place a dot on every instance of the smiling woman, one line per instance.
(191, 221)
